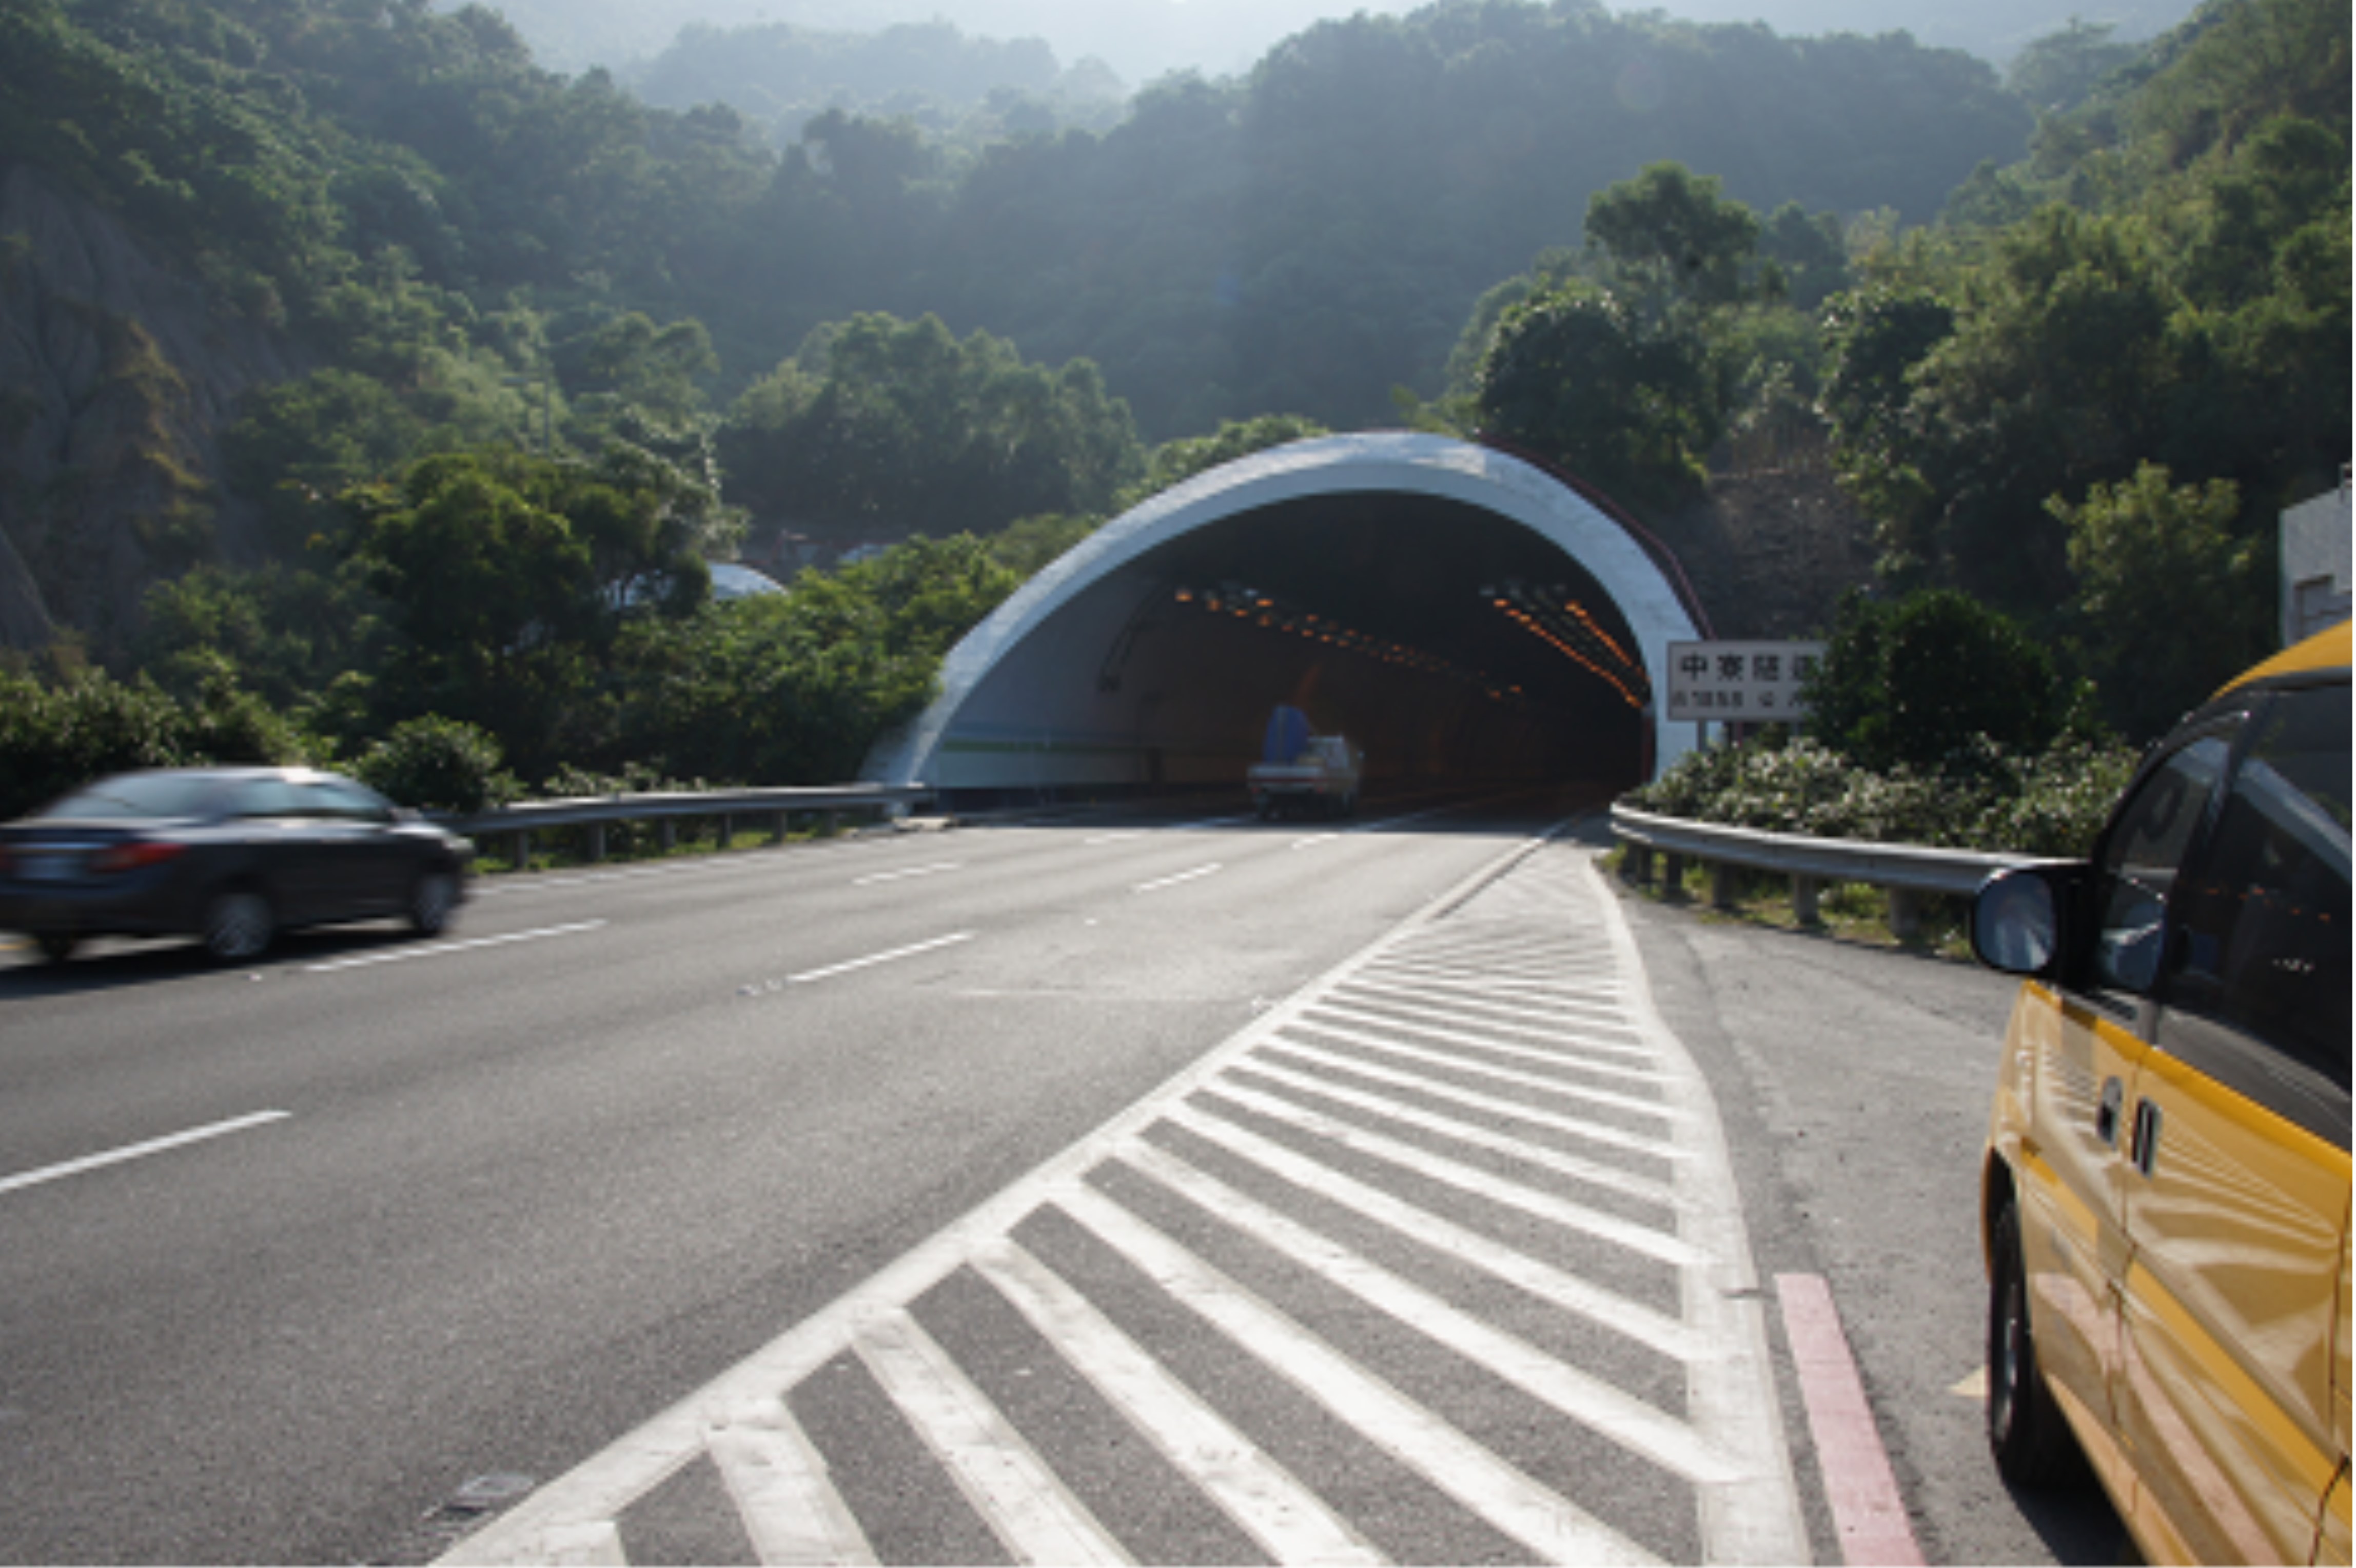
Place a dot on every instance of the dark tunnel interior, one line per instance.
(1454, 644)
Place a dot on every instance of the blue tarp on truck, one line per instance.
(1288, 735)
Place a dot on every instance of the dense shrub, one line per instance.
(1978, 797)
(439, 765)
(57, 737)
(1914, 680)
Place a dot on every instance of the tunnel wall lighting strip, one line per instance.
(1535, 611)
(1252, 607)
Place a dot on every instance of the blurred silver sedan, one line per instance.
(229, 855)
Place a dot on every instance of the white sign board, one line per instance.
(1740, 683)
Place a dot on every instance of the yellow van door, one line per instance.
(2074, 1057)
(2238, 1142)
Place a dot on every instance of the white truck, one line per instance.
(1309, 774)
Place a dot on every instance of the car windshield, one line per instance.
(138, 795)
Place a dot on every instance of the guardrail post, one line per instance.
(778, 834)
(520, 851)
(1725, 880)
(1905, 914)
(596, 843)
(1673, 874)
(833, 824)
(727, 830)
(1804, 894)
(1636, 866)
(670, 835)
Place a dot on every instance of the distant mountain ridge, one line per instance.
(1143, 39)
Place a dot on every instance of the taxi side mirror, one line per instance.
(2021, 918)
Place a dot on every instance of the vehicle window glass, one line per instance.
(268, 798)
(349, 801)
(2141, 856)
(2265, 917)
(138, 795)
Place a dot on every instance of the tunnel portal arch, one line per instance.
(1089, 675)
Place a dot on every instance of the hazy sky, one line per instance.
(1144, 39)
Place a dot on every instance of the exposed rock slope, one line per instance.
(117, 373)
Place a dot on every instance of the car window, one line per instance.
(2141, 856)
(268, 798)
(2265, 916)
(346, 802)
(139, 795)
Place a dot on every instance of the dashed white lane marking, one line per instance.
(140, 1151)
(904, 876)
(1349, 1099)
(438, 949)
(872, 960)
(1195, 876)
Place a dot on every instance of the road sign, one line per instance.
(1740, 683)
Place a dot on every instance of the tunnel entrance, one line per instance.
(1463, 617)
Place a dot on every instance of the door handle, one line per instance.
(2144, 1147)
(2106, 1114)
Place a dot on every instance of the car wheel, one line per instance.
(238, 924)
(2028, 1434)
(432, 901)
(56, 946)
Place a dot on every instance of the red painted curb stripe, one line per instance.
(1868, 1512)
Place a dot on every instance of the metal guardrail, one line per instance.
(779, 807)
(1906, 871)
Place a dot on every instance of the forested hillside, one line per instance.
(287, 286)
(968, 91)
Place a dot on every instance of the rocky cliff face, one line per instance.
(1770, 551)
(116, 374)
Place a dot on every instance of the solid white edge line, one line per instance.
(806, 976)
(438, 949)
(140, 1150)
(1758, 1518)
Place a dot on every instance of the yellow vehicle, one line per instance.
(2166, 1202)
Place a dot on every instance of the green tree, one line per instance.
(285, 632)
(1671, 232)
(56, 737)
(1176, 462)
(299, 444)
(1577, 377)
(2060, 70)
(1923, 679)
(510, 579)
(794, 688)
(884, 427)
(2066, 362)
(2170, 603)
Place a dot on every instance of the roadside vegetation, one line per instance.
(1936, 722)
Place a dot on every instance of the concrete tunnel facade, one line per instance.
(1458, 613)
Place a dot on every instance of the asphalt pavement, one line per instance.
(349, 1254)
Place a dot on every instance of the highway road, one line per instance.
(1165, 1186)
